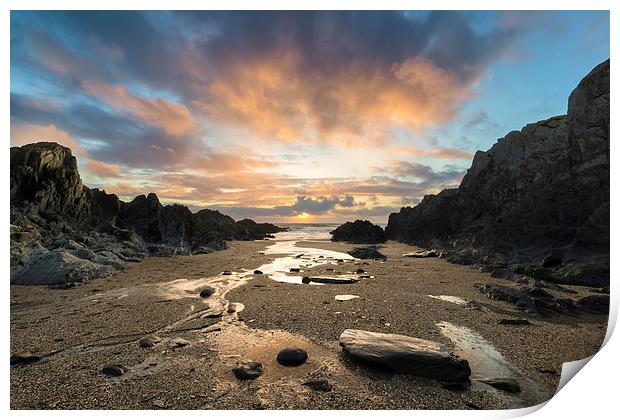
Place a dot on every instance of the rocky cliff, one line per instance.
(64, 232)
(536, 203)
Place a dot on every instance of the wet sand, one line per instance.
(79, 330)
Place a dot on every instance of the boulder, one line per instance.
(360, 232)
(405, 354)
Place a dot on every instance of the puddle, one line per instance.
(297, 257)
(451, 299)
(486, 361)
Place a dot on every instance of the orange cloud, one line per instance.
(434, 152)
(24, 133)
(277, 97)
(102, 169)
(174, 118)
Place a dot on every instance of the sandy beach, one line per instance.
(79, 330)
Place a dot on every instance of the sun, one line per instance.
(303, 216)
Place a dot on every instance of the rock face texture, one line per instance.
(63, 232)
(537, 202)
(360, 232)
(405, 355)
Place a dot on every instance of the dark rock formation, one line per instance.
(535, 300)
(405, 355)
(359, 232)
(63, 232)
(537, 201)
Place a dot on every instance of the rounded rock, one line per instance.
(292, 357)
(148, 341)
(207, 292)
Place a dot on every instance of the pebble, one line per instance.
(207, 292)
(179, 342)
(292, 357)
(114, 369)
(149, 341)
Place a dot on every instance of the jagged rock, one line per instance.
(247, 369)
(366, 253)
(405, 355)
(536, 191)
(594, 304)
(360, 232)
(58, 267)
(63, 231)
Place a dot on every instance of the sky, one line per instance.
(291, 116)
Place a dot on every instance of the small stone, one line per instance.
(292, 357)
(234, 307)
(258, 272)
(24, 358)
(504, 384)
(149, 341)
(159, 404)
(247, 369)
(179, 342)
(207, 292)
(360, 271)
(321, 385)
(114, 369)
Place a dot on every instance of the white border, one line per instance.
(592, 395)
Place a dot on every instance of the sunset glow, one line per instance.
(290, 115)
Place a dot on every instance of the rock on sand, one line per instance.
(405, 355)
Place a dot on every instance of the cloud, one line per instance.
(425, 173)
(24, 133)
(102, 169)
(174, 118)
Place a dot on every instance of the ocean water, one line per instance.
(309, 231)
